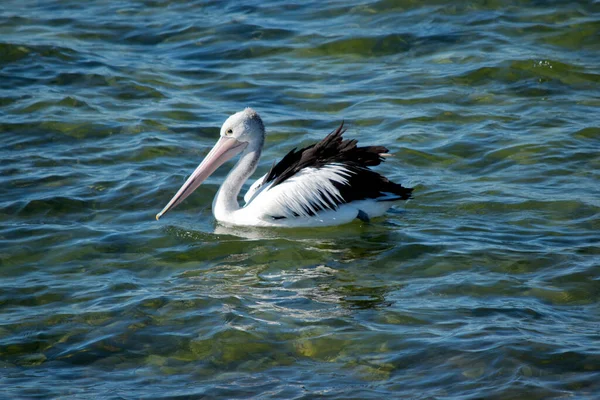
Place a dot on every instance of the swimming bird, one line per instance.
(327, 183)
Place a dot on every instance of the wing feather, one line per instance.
(305, 194)
(322, 177)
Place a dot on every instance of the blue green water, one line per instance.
(486, 285)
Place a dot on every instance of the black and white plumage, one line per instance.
(330, 173)
(327, 183)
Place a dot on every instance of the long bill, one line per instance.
(225, 149)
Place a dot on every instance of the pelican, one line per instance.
(327, 183)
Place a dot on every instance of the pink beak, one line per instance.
(225, 149)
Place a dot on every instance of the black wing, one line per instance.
(333, 149)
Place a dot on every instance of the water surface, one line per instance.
(485, 285)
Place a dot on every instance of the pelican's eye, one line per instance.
(229, 131)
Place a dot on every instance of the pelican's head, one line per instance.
(244, 126)
(242, 130)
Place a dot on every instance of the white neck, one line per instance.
(225, 201)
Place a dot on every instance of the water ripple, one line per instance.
(485, 285)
